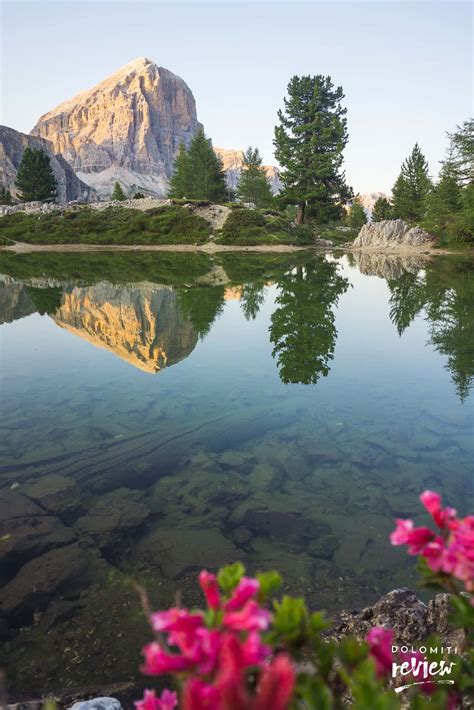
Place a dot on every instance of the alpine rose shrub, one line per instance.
(243, 653)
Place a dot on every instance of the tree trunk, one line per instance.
(300, 215)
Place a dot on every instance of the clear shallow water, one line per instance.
(165, 414)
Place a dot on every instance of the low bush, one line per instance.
(251, 228)
(114, 225)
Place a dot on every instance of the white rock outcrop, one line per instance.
(128, 128)
(392, 234)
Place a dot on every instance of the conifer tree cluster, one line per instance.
(198, 172)
(382, 209)
(253, 185)
(35, 179)
(412, 187)
(5, 196)
(118, 194)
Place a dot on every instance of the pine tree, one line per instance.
(444, 202)
(356, 217)
(309, 142)
(118, 193)
(5, 196)
(412, 187)
(198, 172)
(180, 184)
(35, 179)
(382, 209)
(253, 185)
(462, 141)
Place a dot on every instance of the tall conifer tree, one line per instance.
(253, 185)
(411, 189)
(309, 142)
(198, 172)
(35, 179)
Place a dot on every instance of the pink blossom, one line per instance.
(406, 534)
(167, 701)
(245, 590)
(251, 618)
(254, 652)
(380, 648)
(208, 584)
(432, 503)
(175, 619)
(434, 554)
(276, 684)
(158, 661)
(200, 696)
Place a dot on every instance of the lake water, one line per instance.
(161, 413)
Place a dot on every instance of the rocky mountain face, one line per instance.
(127, 128)
(233, 160)
(13, 145)
(369, 199)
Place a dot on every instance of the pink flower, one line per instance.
(167, 701)
(200, 696)
(158, 661)
(276, 684)
(434, 554)
(406, 534)
(174, 619)
(251, 618)
(254, 652)
(380, 648)
(432, 503)
(245, 590)
(208, 584)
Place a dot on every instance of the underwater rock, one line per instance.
(323, 547)
(29, 537)
(56, 493)
(241, 536)
(112, 514)
(236, 461)
(288, 526)
(176, 550)
(48, 575)
(15, 505)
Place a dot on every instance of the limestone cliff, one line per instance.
(127, 128)
(141, 324)
(233, 160)
(13, 145)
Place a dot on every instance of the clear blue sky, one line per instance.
(405, 67)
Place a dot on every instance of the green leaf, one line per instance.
(270, 583)
(229, 577)
(290, 617)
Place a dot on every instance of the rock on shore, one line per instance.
(392, 234)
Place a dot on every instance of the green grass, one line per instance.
(114, 225)
(252, 228)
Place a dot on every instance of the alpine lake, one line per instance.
(167, 412)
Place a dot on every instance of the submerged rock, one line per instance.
(29, 537)
(111, 515)
(58, 494)
(392, 234)
(175, 551)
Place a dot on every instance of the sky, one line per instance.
(405, 67)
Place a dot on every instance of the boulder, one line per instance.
(323, 243)
(392, 234)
